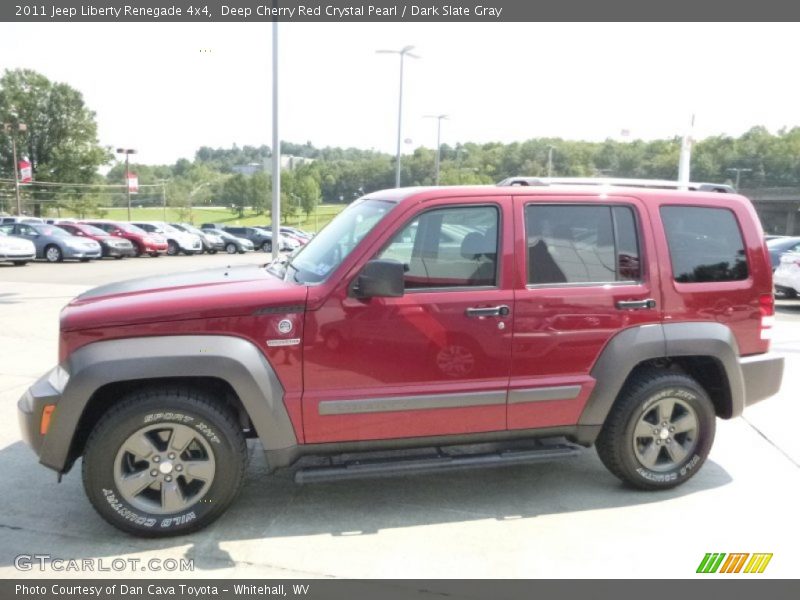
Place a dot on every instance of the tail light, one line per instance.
(766, 304)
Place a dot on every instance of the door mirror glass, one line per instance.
(380, 278)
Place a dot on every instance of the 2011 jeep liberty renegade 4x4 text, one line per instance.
(445, 327)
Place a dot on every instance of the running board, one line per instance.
(440, 462)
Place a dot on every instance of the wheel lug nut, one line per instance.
(154, 473)
(669, 441)
(672, 430)
(658, 442)
(168, 478)
(156, 459)
(171, 456)
(179, 467)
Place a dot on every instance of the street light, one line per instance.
(438, 140)
(403, 53)
(12, 131)
(127, 152)
(550, 160)
(738, 174)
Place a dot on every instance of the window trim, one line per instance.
(461, 288)
(574, 284)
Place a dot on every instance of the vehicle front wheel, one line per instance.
(164, 461)
(230, 248)
(659, 432)
(266, 247)
(53, 254)
(172, 248)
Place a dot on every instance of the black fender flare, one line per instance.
(235, 360)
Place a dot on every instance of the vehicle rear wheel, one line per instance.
(172, 248)
(659, 431)
(266, 247)
(53, 254)
(230, 248)
(164, 461)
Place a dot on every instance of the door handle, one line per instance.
(636, 304)
(491, 311)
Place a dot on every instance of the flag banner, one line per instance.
(25, 171)
(133, 183)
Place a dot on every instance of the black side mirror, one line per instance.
(380, 278)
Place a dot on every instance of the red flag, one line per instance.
(25, 171)
(133, 182)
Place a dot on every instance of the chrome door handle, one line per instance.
(491, 311)
(636, 304)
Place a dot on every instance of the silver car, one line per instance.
(53, 243)
(16, 250)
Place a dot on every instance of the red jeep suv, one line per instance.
(492, 325)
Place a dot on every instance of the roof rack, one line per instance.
(659, 184)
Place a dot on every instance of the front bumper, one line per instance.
(119, 250)
(18, 256)
(762, 375)
(82, 252)
(30, 407)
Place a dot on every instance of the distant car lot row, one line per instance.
(23, 239)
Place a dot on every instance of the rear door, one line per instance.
(586, 272)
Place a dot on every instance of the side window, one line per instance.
(705, 244)
(448, 247)
(581, 244)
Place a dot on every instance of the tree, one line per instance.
(61, 137)
(308, 193)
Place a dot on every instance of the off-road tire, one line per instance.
(621, 451)
(194, 412)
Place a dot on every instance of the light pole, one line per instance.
(550, 160)
(438, 141)
(164, 197)
(403, 53)
(738, 173)
(191, 195)
(12, 131)
(127, 152)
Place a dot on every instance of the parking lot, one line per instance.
(567, 519)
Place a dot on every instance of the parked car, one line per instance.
(233, 244)
(548, 318)
(780, 245)
(769, 238)
(787, 275)
(291, 239)
(16, 250)
(212, 243)
(143, 242)
(261, 239)
(53, 243)
(177, 240)
(111, 245)
(23, 219)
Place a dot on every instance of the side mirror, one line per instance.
(382, 278)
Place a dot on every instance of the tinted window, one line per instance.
(581, 244)
(705, 244)
(450, 247)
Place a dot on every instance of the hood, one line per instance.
(210, 293)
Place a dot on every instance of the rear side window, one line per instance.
(581, 244)
(705, 244)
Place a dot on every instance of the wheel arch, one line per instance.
(706, 351)
(102, 372)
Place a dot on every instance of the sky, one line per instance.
(167, 89)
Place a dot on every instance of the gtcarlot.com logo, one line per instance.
(738, 562)
(47, 562)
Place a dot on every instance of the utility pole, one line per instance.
(276, 151)
(685, 160)
(738, 172)
(127, 152)
(12, 131)
(164, 197)
(550, 160)
(438, 142)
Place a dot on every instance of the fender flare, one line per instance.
(232, 359)
(632, 346)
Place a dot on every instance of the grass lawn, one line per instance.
(218, 214)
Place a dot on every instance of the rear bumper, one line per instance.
(762, 375)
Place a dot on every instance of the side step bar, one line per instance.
(440, 462)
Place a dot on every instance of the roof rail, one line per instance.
(661, 184)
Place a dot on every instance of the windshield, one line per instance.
(132, 228)
(91, 230)
(326, 251)
(52, 230)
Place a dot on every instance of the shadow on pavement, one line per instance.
(56, 519)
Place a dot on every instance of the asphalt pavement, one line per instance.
(567, 519)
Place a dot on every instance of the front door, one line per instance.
(432, 362)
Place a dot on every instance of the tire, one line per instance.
(139, 251)
(266, 247)
(20, 263)
(230, 248)
(172, 248)
(53, 254)
(635, 445)
(132, 440)
(212, 251)
(154, 254)
(85, 259)
(120, 257)
(188, 252)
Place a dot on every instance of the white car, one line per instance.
(787, 276)
(178, 241)
(16, 250)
